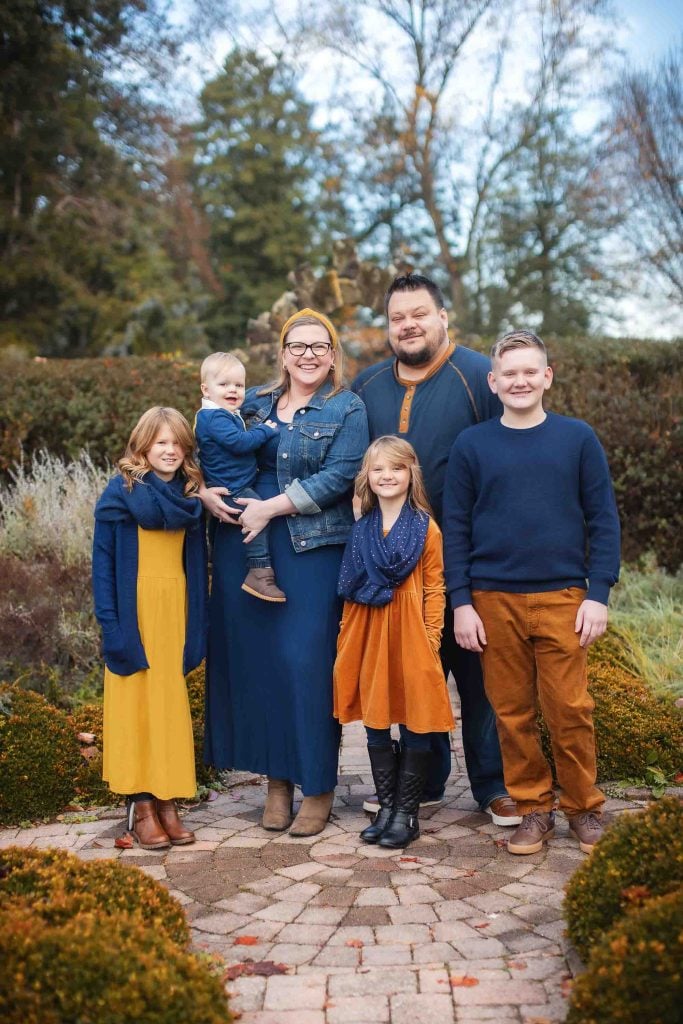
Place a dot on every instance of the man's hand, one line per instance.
(212, 500)
(469, 629)
(591, 622)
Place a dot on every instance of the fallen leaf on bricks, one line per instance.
(483, 924)
(463, 981)
(246, 940)
(356, 943)
(409, 860)
(262, 968)
(124, 842)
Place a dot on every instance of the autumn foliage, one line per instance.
(97, 943)
(640, 857)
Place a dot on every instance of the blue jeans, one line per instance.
(258, 549)
(410, 740)
(480, 739)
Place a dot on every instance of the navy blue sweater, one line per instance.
(227, 449)
(432, 412)
(531, 510)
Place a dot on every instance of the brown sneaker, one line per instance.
(503, 811)
(261, 583)
(536, 829)
(588, 829)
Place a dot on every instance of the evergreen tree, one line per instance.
(80, 244)
(259, 171)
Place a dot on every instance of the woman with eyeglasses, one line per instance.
(269, 666)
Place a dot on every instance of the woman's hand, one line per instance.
(212, 500)
(254, 518)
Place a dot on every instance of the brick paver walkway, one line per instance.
(452, 929)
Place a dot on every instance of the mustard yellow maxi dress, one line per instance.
(148, 746)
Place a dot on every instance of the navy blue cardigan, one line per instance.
(114, 581)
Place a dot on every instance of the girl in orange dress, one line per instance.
(388, 667)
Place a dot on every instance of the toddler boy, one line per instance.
(227, 456)
(529, 516)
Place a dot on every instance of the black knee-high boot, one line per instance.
(384, 765)
(403, 825)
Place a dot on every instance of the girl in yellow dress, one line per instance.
(149, 574)
(388, 667)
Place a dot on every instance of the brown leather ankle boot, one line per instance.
(313, 815)
(167, 813)
(261, 583)
(278, 812)
(146, 827)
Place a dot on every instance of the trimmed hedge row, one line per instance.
(627, 390)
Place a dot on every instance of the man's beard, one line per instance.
(420, 356)
(416, 357)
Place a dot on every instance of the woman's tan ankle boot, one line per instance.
(278, 812)
(313, 815)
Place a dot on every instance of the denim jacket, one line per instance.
(319, 454)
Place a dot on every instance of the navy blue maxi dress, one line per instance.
(269, 666)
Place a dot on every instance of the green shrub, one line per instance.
(56, 885)
(640, 856)
(39, 756)
(635, 729)
(195, 690)
(66, 405)
(94, 969)
(635, 972)
(91, 789)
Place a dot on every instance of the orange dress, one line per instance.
(388, 667)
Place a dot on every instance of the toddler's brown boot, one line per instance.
(261, 583)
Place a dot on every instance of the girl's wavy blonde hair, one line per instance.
(134, 465)
(402, 454)
(336, 374)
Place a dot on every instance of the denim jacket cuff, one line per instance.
(301, 499)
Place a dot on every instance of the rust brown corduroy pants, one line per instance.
(533, 656)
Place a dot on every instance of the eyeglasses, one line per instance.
(318, 348)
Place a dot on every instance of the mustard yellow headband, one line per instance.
(327, 324)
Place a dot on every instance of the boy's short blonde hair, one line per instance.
(517, 339)
(213, 363)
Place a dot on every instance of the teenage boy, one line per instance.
(529, 517)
